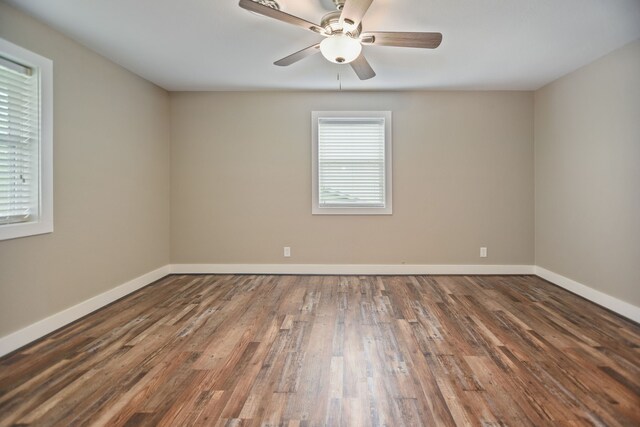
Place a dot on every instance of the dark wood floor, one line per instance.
(313, 350)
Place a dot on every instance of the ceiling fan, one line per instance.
(343, 34)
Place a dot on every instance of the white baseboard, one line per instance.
(360, 269)
(45, 326)
(623, 308)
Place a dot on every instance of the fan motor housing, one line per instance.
(331, 23)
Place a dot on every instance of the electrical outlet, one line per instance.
(483, 252)
(287, 251)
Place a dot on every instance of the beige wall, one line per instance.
(587, 157)
(111, 182)
(462, 176)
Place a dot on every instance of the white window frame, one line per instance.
(316, 209)
(42, 221)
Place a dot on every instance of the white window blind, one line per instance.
(19, 145)
(351, 162)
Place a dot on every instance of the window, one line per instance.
(26, 181)
(351, 162)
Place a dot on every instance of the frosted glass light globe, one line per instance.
(340, 49)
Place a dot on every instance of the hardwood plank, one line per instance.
(264, 350)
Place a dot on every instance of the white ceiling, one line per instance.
(216, 45)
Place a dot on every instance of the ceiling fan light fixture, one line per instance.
(340, 48)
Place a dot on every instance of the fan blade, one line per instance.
(301, 54)
(279, 15)
(353, 11)
(421, 40)
(362, 68)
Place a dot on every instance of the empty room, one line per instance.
(319, 213)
